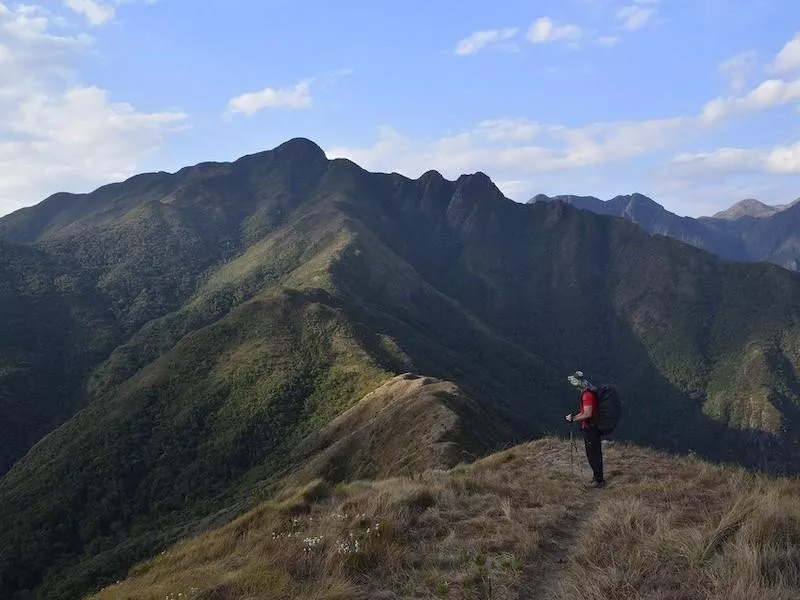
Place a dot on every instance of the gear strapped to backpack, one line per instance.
(609, 409)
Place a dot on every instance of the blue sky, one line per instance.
(695, 103)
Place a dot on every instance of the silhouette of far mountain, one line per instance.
(748, 231)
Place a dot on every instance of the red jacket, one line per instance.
(588, 399)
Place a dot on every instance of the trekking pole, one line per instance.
(573, 448)
(571, 460)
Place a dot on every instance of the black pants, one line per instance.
(594, 451)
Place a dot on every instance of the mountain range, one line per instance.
(747, 231)
(180, 345)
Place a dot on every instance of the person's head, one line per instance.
(579, 381)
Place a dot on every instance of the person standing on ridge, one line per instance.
(591, 433)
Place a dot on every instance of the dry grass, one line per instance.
(685, 530)
(463, 533)
(514, 525)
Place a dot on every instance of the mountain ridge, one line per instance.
(257, 303)
(748, 231)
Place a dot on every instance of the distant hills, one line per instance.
(182, 344)
(748, 231)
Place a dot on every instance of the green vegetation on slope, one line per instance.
(257, 301)
(668, 323)
(116, 260)
(198, 426)
(54, 328)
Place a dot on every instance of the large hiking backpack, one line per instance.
(609, 409)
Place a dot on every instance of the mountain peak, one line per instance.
(479, 183)
(749, 207)
(475, 198)
(636, 198)
(637, 207)
(300, 145)
(295, 149)
(431, 173)
(539, 198)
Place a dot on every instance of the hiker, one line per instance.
(591, 433)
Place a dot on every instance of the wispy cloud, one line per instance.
(769, 94)
(504, 147)
(737, 69)
(94, 11)
(788, 59)
(544, 30)
(295, 97)
(635, 16)
(55, 135)
(723, 163)
(519, 150)
(508, 129)
(481, 39)
(98, 12)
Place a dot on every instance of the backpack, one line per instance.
(609, 409)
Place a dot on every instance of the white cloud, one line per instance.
(516, 189)
(544, 30)
(82, 130)
(737, 69)
(635, 17)
(520, 154)
(74, 139)
(508, 129)
(724, 163)
(55, 135)
(516, 150)
(480, 39)
(32, 56)
(294, 97)
(502, 147)
(769, 94)
(98, 12)
(30, 50)
(82, 116)
(602, 143)
(452, 154)
(95, 12)
(788, 59)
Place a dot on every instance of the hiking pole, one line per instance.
(573, 448)
(571, 460)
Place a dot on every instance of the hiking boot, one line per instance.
(595, 484)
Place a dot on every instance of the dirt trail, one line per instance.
(541, 577)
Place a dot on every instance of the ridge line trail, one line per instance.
(544, 569)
